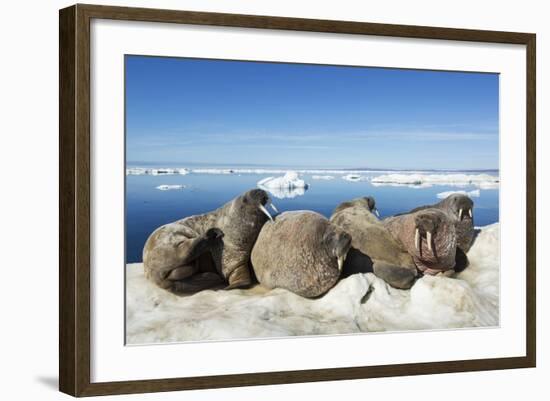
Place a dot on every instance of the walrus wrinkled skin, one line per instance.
(210, 250)
(460, 208)
(301, 252)
(373, 248)
(429, 236)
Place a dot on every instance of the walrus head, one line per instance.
(371, 205)
(259, 198)
(337, 243)
(366, 201)
(461, 206)
(434, 241)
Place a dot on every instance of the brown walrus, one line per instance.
(301, 252)
(460, 208)
(367, 202)
(373, 248)
(210, 250)
(429, 236)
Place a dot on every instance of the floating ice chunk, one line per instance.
(169, 171)
(358, 303)
(488, 185)
(288, 186)
(214, 171)
(322, 177)
(170, 187)
(290, 180)
(354, 177)
(136, 171)
(472, 194)
(415, 186)
(156, 171)
(437, 179)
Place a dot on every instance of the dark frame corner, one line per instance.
(74, 199)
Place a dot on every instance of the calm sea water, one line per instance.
(148, 208)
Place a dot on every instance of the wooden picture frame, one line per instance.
(74, 199)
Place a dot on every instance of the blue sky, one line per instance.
(232, 113)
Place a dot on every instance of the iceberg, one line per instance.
(478, 180)
(472, 194)
(360, 303)
(170, 187)
(288, 186)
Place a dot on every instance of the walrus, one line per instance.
(367, 201)
(301, 252)
(460, 208)
(373, 248)
(429, 236)
(210, 250)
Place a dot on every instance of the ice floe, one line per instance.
(472, 194)
(354, 177)
(359, 303)
(214, 171)
(170, 187)
(288, 186)
(424, 180)
(156, 171)
(322, 177)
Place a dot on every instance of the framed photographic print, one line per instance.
(250, 200)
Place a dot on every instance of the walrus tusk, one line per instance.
(376, 211)
(429, 239)
(341, 262)
(263, 209)
(273, 207)
(460, 214)
(470, 212)
(417, 239)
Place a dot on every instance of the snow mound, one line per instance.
(359, 303)
(170, 187)
(472, 194)
(481, 180)
(288, 186)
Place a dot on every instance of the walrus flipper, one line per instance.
(239, 277)
(462, 261)
(397, 276)
(182, 272)
(196, 283)
(189, 250)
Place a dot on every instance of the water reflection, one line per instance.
(284, 192)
